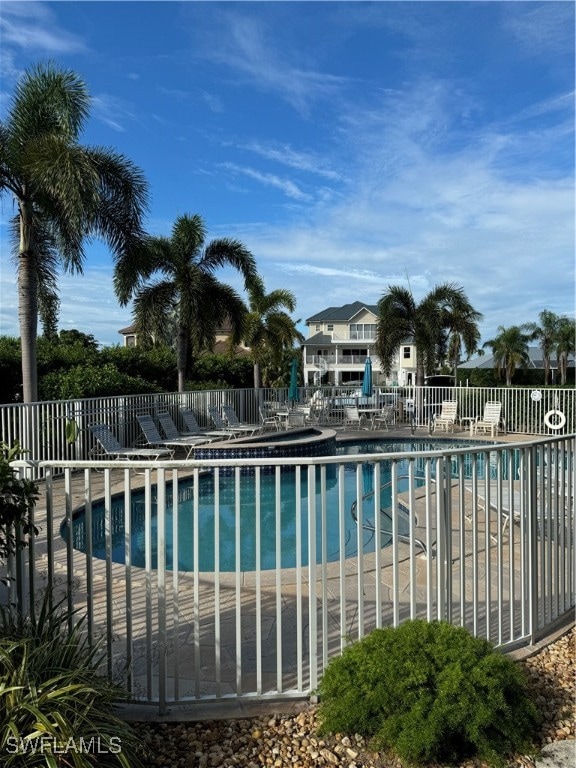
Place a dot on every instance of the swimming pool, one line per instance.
(286, 512)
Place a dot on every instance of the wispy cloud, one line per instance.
(112, 111)
(546, 27)
(32, 26)
(289, 188)
(303, 161)
(248, 49)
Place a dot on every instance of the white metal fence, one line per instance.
(59, 430)
(243, 578)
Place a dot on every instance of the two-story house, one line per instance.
(339, 341)
(221, 342)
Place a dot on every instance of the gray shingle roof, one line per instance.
(342, 314)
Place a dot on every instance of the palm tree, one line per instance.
(565, 344)
(547, 333)
(445, 310)
(268, 331)
(510, 349)
(65, 192)
(174, 278)
(461, 323)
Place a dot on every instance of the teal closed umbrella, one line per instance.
(293, 388)
(367, 383)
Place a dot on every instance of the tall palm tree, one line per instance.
(510, 349)
(268, 331)
(173, 277)
(65, 192)
(546, 332)
(445, 310)
(461, 324)
(565, 344)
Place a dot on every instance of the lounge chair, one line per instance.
(234, 422)
(195, 430)
(220, 423)
(447, 417)
(112, 447)
(490, 420)
(154, 438)
(171, 430)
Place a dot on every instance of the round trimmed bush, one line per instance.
(430, 692)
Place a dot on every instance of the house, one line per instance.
(130, 336)
(339, 341)
(220, 345)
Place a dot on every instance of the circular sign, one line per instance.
(536, 395)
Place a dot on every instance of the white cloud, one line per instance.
(32, 26)
(287, 186)
(112, 111)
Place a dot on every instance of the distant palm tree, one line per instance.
(546, 332)
(65, 192)
(461, 322)
(268, 331)
(173, 278)
(443, 312)
(565, 345)
(510, 350)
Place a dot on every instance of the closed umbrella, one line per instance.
(293, 389)
(367, 383)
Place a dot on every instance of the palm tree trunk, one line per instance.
(256, 375)
(181, 355)
(27, 305)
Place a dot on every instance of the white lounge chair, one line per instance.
(154, 438)
(447, 417)
(110, 445)
(490, 419)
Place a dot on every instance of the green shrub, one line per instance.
(18, 497)
(55, 709)
(429, 691)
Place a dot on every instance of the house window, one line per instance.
(130, 341)
(330, 327)
(362, 330)
(318, 326)
(406, 352)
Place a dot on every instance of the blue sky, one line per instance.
(349, 145)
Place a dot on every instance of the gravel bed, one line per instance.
(282, 741)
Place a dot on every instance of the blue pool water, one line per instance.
(293, 498)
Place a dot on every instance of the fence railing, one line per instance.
(242, 578)
(59, 430)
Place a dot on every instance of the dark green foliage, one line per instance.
(155, 365)
(10, 370)
(52, 697)
(228, 371)
(18, 498)
(430, 692)
(91, 381)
